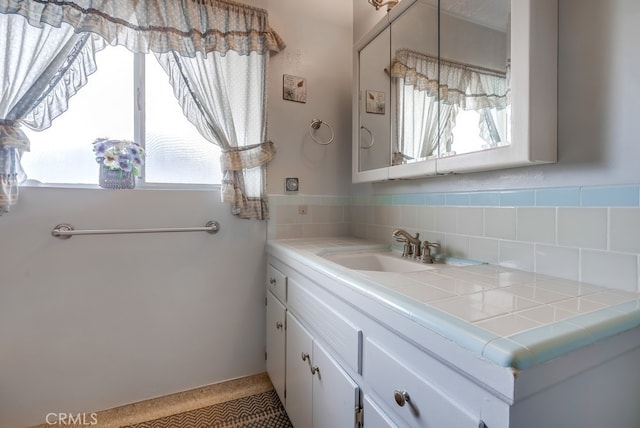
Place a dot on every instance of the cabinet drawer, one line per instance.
(413, 398)
(332, 327)
(277, 283)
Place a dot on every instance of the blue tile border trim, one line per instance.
(588, 196)
(611, 196)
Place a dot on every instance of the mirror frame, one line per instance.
(534, 77)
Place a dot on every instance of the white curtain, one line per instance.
(433, 91)
(224, 96)
(216, 54)
(41, 68)
(421, 123)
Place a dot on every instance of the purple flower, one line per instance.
(122, 155)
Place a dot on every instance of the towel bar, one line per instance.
(66, 231)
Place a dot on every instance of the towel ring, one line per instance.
(315, 125)
(371, 137)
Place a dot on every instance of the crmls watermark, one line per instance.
(62, 419)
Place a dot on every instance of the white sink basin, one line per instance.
(379, 261)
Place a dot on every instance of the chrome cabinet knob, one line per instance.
(304, 356)
(272, 281)
(279, 325)
(401, 397)
(314, 370)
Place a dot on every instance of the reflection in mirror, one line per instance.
(373, 149)
(450, 88)
(414, 129)
(474, 75)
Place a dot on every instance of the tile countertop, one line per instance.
(514, 318)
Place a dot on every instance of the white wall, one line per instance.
(95, 322)
(318, 37)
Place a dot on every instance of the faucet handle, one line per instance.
(426, 251)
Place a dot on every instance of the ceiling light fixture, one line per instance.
(379, 3)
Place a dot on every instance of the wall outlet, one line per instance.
(303, 209)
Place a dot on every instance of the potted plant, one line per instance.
(120, 162)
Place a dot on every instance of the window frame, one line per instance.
(139, 136)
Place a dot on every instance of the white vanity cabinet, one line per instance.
(313, 387)
(358, 352)
(319, 392)
(341, 368)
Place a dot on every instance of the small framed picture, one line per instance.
(375, 102)
(294, 88)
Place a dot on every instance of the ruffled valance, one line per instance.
(469, 87)
(160, 26)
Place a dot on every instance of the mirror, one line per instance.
(374, 131)
(449, 79)
(460, 89)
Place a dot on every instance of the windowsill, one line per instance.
(146, 186)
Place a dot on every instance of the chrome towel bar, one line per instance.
(66, 231)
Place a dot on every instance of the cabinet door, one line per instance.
(298, 376)
(335, 394)
(374, 417)
(276, 317)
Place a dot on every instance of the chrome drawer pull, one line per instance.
(401, 397)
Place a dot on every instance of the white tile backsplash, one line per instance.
(582, 227)
(484, 249)
(599, 245)
(562, 262)
(426, 218)
(447, 219)
(517, 255)
(471, 221)
(456, 245)
(500, 223)
(608, 269)
(536, 224)
(409, 216)
(624, 229)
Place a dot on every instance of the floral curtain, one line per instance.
(193, 36)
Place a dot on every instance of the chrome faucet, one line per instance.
(411, 243)
(426, 251)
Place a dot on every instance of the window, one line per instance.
(108, 107)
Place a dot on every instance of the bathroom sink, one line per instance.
(379, 261)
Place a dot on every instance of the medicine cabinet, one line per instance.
(452, 86)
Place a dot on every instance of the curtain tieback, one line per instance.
(11, 136)
(238, 158)
(9, 123)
